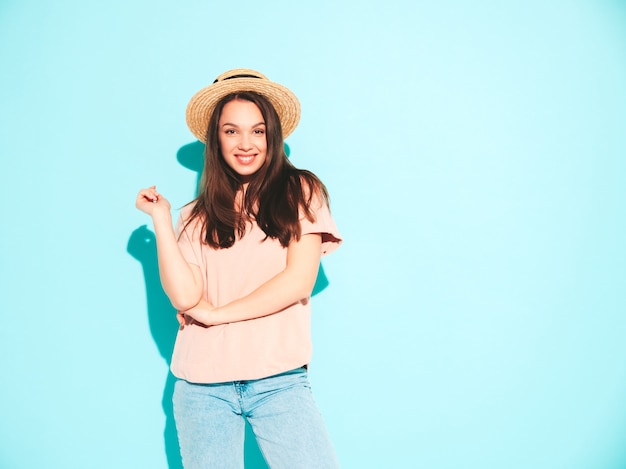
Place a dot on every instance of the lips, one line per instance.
(245, 159)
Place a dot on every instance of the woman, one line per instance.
(240, 270)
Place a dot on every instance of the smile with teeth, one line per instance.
(245, 159)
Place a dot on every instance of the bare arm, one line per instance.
(295, 283)
(181, 281)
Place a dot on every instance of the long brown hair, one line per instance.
(275, 196)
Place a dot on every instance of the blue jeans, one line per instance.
(280, 409)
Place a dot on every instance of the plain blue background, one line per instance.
(475, 156)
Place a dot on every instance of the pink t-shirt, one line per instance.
(256, 348)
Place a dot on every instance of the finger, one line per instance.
(150, 194)
(156, 195)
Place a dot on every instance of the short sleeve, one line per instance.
(186, 236)
(323, 224)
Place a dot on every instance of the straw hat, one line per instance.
(203, 103)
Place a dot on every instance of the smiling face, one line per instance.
(242, 139)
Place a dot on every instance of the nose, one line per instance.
(245, 143)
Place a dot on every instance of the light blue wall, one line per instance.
(476, 157)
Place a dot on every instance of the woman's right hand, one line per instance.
(149, 200)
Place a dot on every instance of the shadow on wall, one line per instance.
(163, 324)
(163, 327)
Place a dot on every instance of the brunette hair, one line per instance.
(276, 196)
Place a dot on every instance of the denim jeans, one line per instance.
(280, 409)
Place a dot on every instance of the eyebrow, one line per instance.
(235, 125)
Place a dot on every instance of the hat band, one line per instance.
(238, 76)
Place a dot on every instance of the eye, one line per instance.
(229, 131)
(259, 131)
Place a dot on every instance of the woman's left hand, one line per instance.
(203, 314)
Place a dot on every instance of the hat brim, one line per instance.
(202, 104)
